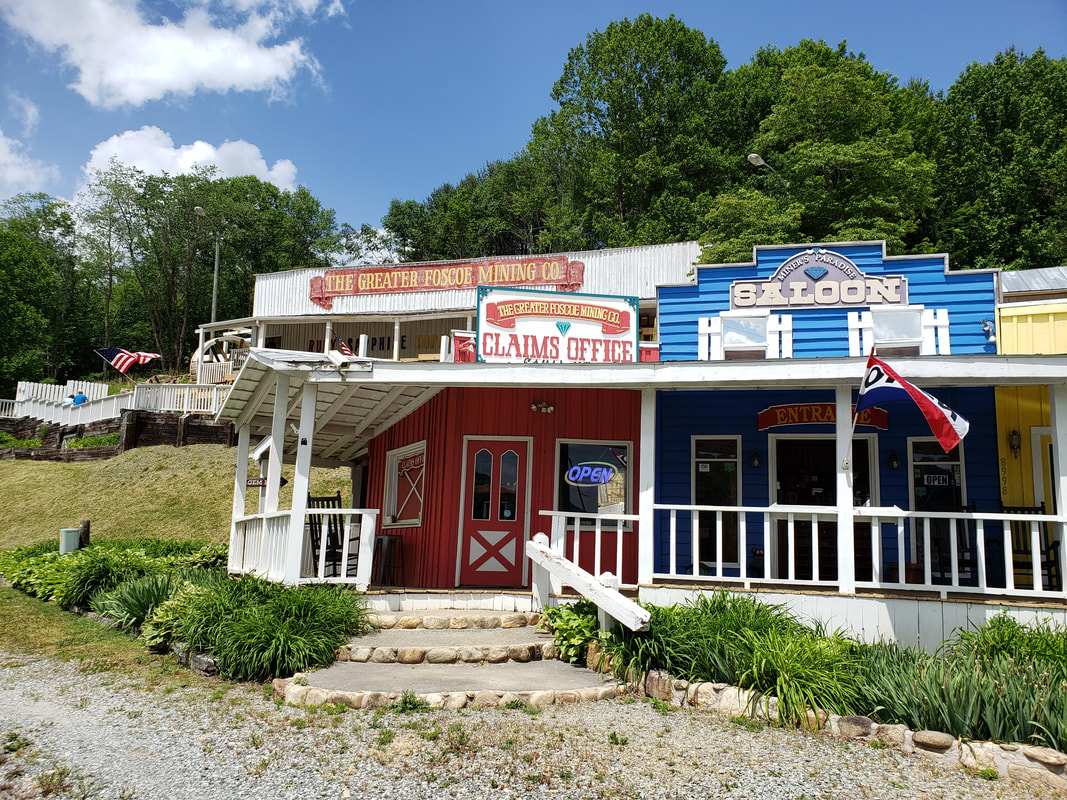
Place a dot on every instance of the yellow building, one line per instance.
(1031, 319)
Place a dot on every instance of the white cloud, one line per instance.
(19, 172)
(123, 59)
(25, 111)
(152, 150)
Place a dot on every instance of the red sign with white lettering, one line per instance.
(558, 271)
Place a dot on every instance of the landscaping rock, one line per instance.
(513, 621)
(458, 623)
(442, 655)
(854, 727)
(542, 699)
(659, 684)
(702, 695)
(892, 735)
(409, 623)
(933, 740)
(1045, 755)
(434, 623)
(278, 687)
(383, 655)
(410, 655)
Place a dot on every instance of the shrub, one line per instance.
(132, 602)
(803, 670)
(258, 630)
(7, 440)
(573, 628)
(160, 626)
(99, 440)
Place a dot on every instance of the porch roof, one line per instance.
(358, 398)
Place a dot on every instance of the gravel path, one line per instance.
(99, 737)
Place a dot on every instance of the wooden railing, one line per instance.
(597, 543)
(180, 398)
(259, 545)
(943, 552)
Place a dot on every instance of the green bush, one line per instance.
(259, 630)
(573, 627)
(132, 602)
(161, 625)
(7, 440)
(804, 670)
(96, 569)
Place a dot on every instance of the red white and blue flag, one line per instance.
(343, 348)
(881, 384)
(122, 360)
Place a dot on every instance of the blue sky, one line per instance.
(362, 102)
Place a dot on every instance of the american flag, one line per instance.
(122, 360)
(343, 348)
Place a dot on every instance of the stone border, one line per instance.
(490, 654)
(456, 622)
(1039, 767)
(290, 691)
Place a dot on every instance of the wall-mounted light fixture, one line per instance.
(990, 331)
(754, 461)
(894, 461)
(1015, 442)
(543, 406)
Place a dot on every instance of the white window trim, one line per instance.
(779, 342)
(911, 469)
(389, 499)
(737, 478)
(628, 444)
(935, 338)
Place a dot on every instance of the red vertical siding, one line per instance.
(430, 551)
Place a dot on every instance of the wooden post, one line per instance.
(83, 534)
(646, 495)
(846, 545)
(295, 544)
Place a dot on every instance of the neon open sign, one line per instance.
(590, 473)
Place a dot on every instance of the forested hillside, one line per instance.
(650, 143)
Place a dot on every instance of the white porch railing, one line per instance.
(196, 398)
(7, 408)
(259, 544)
(597, 543)
(54, 411)
(945, 552)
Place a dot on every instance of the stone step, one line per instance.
(450, 639)
(454, 619)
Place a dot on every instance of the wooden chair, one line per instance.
(334, 533)
(1022, 550)
(966, 549)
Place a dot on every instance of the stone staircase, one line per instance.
(451, 658)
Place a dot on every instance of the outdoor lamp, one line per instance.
(1015, 442)
(989, 330)
(755, 160)
(894, 461)
(755, 460)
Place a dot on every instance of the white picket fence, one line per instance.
(45, 401)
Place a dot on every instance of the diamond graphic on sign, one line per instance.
(815, 272)
(563, 327)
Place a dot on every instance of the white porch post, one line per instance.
(846, 546)
(240, 481)
(646, 495)
(1057, 395)
(277, 434)
(294, 550)
(261, 335)
(200, 358)
(328, 341)
(396, 339)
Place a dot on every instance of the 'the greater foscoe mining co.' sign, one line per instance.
(521, 326)
(558, 271)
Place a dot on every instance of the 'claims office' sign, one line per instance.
(819, 278)
(521, 326)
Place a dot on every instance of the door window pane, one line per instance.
(592, 477)
(509, 485)
(483, 485)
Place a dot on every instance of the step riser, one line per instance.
(455, 622)
(486, 654)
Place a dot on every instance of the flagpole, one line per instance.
(855, 416)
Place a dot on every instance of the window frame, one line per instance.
(393, 458)
(737, 478)
(627, 525)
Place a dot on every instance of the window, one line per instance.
(716, 482)
(936, 476)
(593, 477)
(744, 335)
(897, 331)
(405, 482)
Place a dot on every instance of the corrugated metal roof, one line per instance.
(1027, 281)
(627, 272)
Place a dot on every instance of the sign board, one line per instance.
(261, 482)
(818, 277)
(558, 271)
(817, 414)
(522, 326)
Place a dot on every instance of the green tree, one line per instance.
(1002, 163)
(27, 285)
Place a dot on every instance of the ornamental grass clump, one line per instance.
(259, 630)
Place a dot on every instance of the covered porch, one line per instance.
(312, 409)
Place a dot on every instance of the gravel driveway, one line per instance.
(94, 736)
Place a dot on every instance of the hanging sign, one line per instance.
(819, 277)
(817, 414)
(521, 326)
(558, 271)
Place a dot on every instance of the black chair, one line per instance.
(966, 548)
(1022, 550)
(334, 533)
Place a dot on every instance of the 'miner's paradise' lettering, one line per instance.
(557, 271)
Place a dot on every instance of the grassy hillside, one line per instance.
(165, 492)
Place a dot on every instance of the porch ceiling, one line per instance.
(360, 398)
